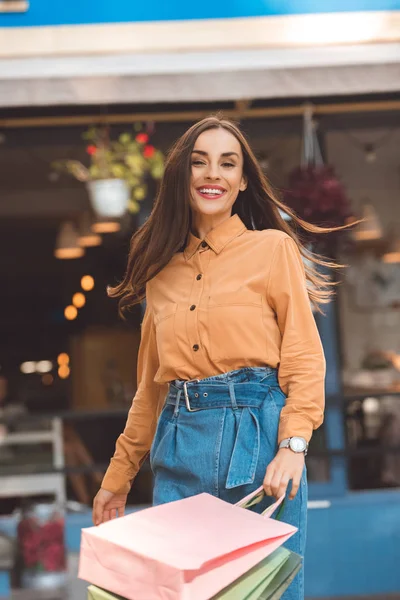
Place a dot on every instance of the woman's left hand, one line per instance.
(287, 465)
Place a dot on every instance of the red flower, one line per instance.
(53, 531)
(91, 150)
(54, 557)
(148, 151)
(142, 138)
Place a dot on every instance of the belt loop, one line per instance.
(178, 398)
(231, 386)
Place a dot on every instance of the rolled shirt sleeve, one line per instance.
(134, 444)
(302, 366)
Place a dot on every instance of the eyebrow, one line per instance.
(225, 154)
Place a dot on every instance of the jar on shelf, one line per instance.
(41, 547)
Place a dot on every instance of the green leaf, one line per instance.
(125, 138)
(139, 193)
(118, 171)
(133, 207)
(157, 171)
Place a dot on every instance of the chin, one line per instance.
(210, 208)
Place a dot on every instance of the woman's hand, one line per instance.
(287, 465)
(106, 505)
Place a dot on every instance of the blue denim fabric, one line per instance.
(224, 446)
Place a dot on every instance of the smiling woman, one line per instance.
(231, 368)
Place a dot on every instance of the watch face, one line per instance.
(297, 444)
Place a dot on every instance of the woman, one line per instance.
(231, 368)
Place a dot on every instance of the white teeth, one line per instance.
(210, 191)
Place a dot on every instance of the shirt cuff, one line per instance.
(116, 482)
(294, 425)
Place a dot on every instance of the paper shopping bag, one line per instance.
(255, 581)
(283, 578)
(95, 593)
(189, 549)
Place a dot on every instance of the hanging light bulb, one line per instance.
(87, 238)
(67, 245)
(370, 153)
(370, 228)
(106, 225)
(392, 254)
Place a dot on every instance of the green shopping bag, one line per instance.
(95, 593)
(255, 581)
(282, 579)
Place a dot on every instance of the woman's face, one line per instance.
(216, 173)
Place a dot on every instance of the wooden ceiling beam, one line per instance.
(244, 110)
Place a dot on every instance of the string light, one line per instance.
(47, 379)
(70, 312)
(63, 358)
(78, 300)
(44, 366)
(87, 283)
(28, 367)
(63, 371)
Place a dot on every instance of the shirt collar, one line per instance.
(218, 237)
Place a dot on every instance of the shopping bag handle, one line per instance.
(256, 497)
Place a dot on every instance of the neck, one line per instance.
(202, 224)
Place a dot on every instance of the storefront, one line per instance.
(260, 65)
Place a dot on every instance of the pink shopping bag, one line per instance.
(185, 550)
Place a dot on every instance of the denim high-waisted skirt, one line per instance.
(218, 435)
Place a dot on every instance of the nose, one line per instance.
(212, 173)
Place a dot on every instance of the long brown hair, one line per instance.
(166, 230)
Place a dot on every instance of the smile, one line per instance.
(211, 192)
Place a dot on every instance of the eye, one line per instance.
(198, 162)
(228, 164)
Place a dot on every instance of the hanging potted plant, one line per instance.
(117, 171)
(317, 195)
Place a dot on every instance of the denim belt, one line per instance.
(197, 395)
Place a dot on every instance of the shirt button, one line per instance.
(204, 244)
(193, 307)
(199, 276)
(195, 347)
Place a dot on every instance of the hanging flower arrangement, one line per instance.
(316, 195)
(130, 158)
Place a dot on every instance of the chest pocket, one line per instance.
(235, 326)
(167, 346)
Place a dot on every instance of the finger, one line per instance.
(121, 511)
(283, 485)
(113, 513)
(97, 514)
(106, 516)
(295, 487)
(267, 481)
(275, 483)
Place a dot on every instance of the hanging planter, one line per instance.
(109, 197)
(316, 194)
(116, 178)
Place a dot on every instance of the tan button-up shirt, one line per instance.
(236, 299)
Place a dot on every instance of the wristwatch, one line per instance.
(297, 444)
